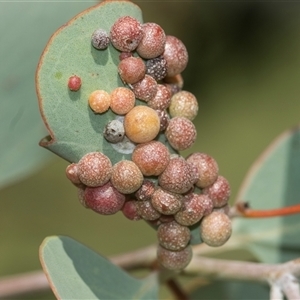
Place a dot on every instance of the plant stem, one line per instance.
(28, 283)
(242, 209)
(177, 290)
(281, 277)
(230, 269)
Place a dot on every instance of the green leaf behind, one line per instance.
(273, 182)
(76, 272)
(231, 290)
(22, 41)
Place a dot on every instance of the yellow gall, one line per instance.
(141, 124)
(99, 101)
(122, 100)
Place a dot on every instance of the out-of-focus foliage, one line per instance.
(25, 28)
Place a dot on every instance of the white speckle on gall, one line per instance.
(177, 177)
(181, 133)
(176, 55)
(126, 177)
(152, 157)
(153, 42)
(94, 169)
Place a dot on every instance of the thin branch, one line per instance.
(276, 293)
(280, 275)
(141, 258)
(17, 285)
(175, 287)
(230, 269)
(289, 286)
(242, 209)
(208, 267)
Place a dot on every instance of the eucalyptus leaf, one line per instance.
(76, 272)
(74, 128)
(272, 182)
(231, 290)
(24, 29)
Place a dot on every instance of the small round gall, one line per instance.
(173, 236)
(206, 167)
(74, 83)
(174, 260)
(114, 131)
(132, 69)
(194, 208)
(72, 174)
(145, 89)
(126, 177)
(177, 177)
(181, 133)
(141, 124)
(130, 210)
(157, 68)
(105, 200)
(153, 42)
(151, 158)
(99, 101)
(122, 100)
(94, 169)
(215, 229)
(162, 98)
(183, 104)
(165, 202)
(176, 55)
(218, 192)
(126, 33)
(100, 39)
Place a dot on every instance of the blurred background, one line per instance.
(244, 68)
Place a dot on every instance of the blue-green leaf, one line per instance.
(24, 29)
(273, 182)
(231, 290)
(76, 272)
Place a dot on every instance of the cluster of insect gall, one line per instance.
(167, 190)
